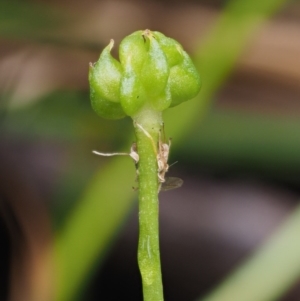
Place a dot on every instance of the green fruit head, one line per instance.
(154, 72)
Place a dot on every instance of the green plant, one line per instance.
(154, 73)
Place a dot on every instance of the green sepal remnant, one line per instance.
(154, 72)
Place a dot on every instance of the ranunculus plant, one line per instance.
(153, 74)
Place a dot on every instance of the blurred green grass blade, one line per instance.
(271, 270)
(91, 226)
(217, 56)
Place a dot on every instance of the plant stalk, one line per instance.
(148, 123)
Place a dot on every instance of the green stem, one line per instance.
(148, 123)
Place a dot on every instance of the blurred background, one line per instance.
(68, 219)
